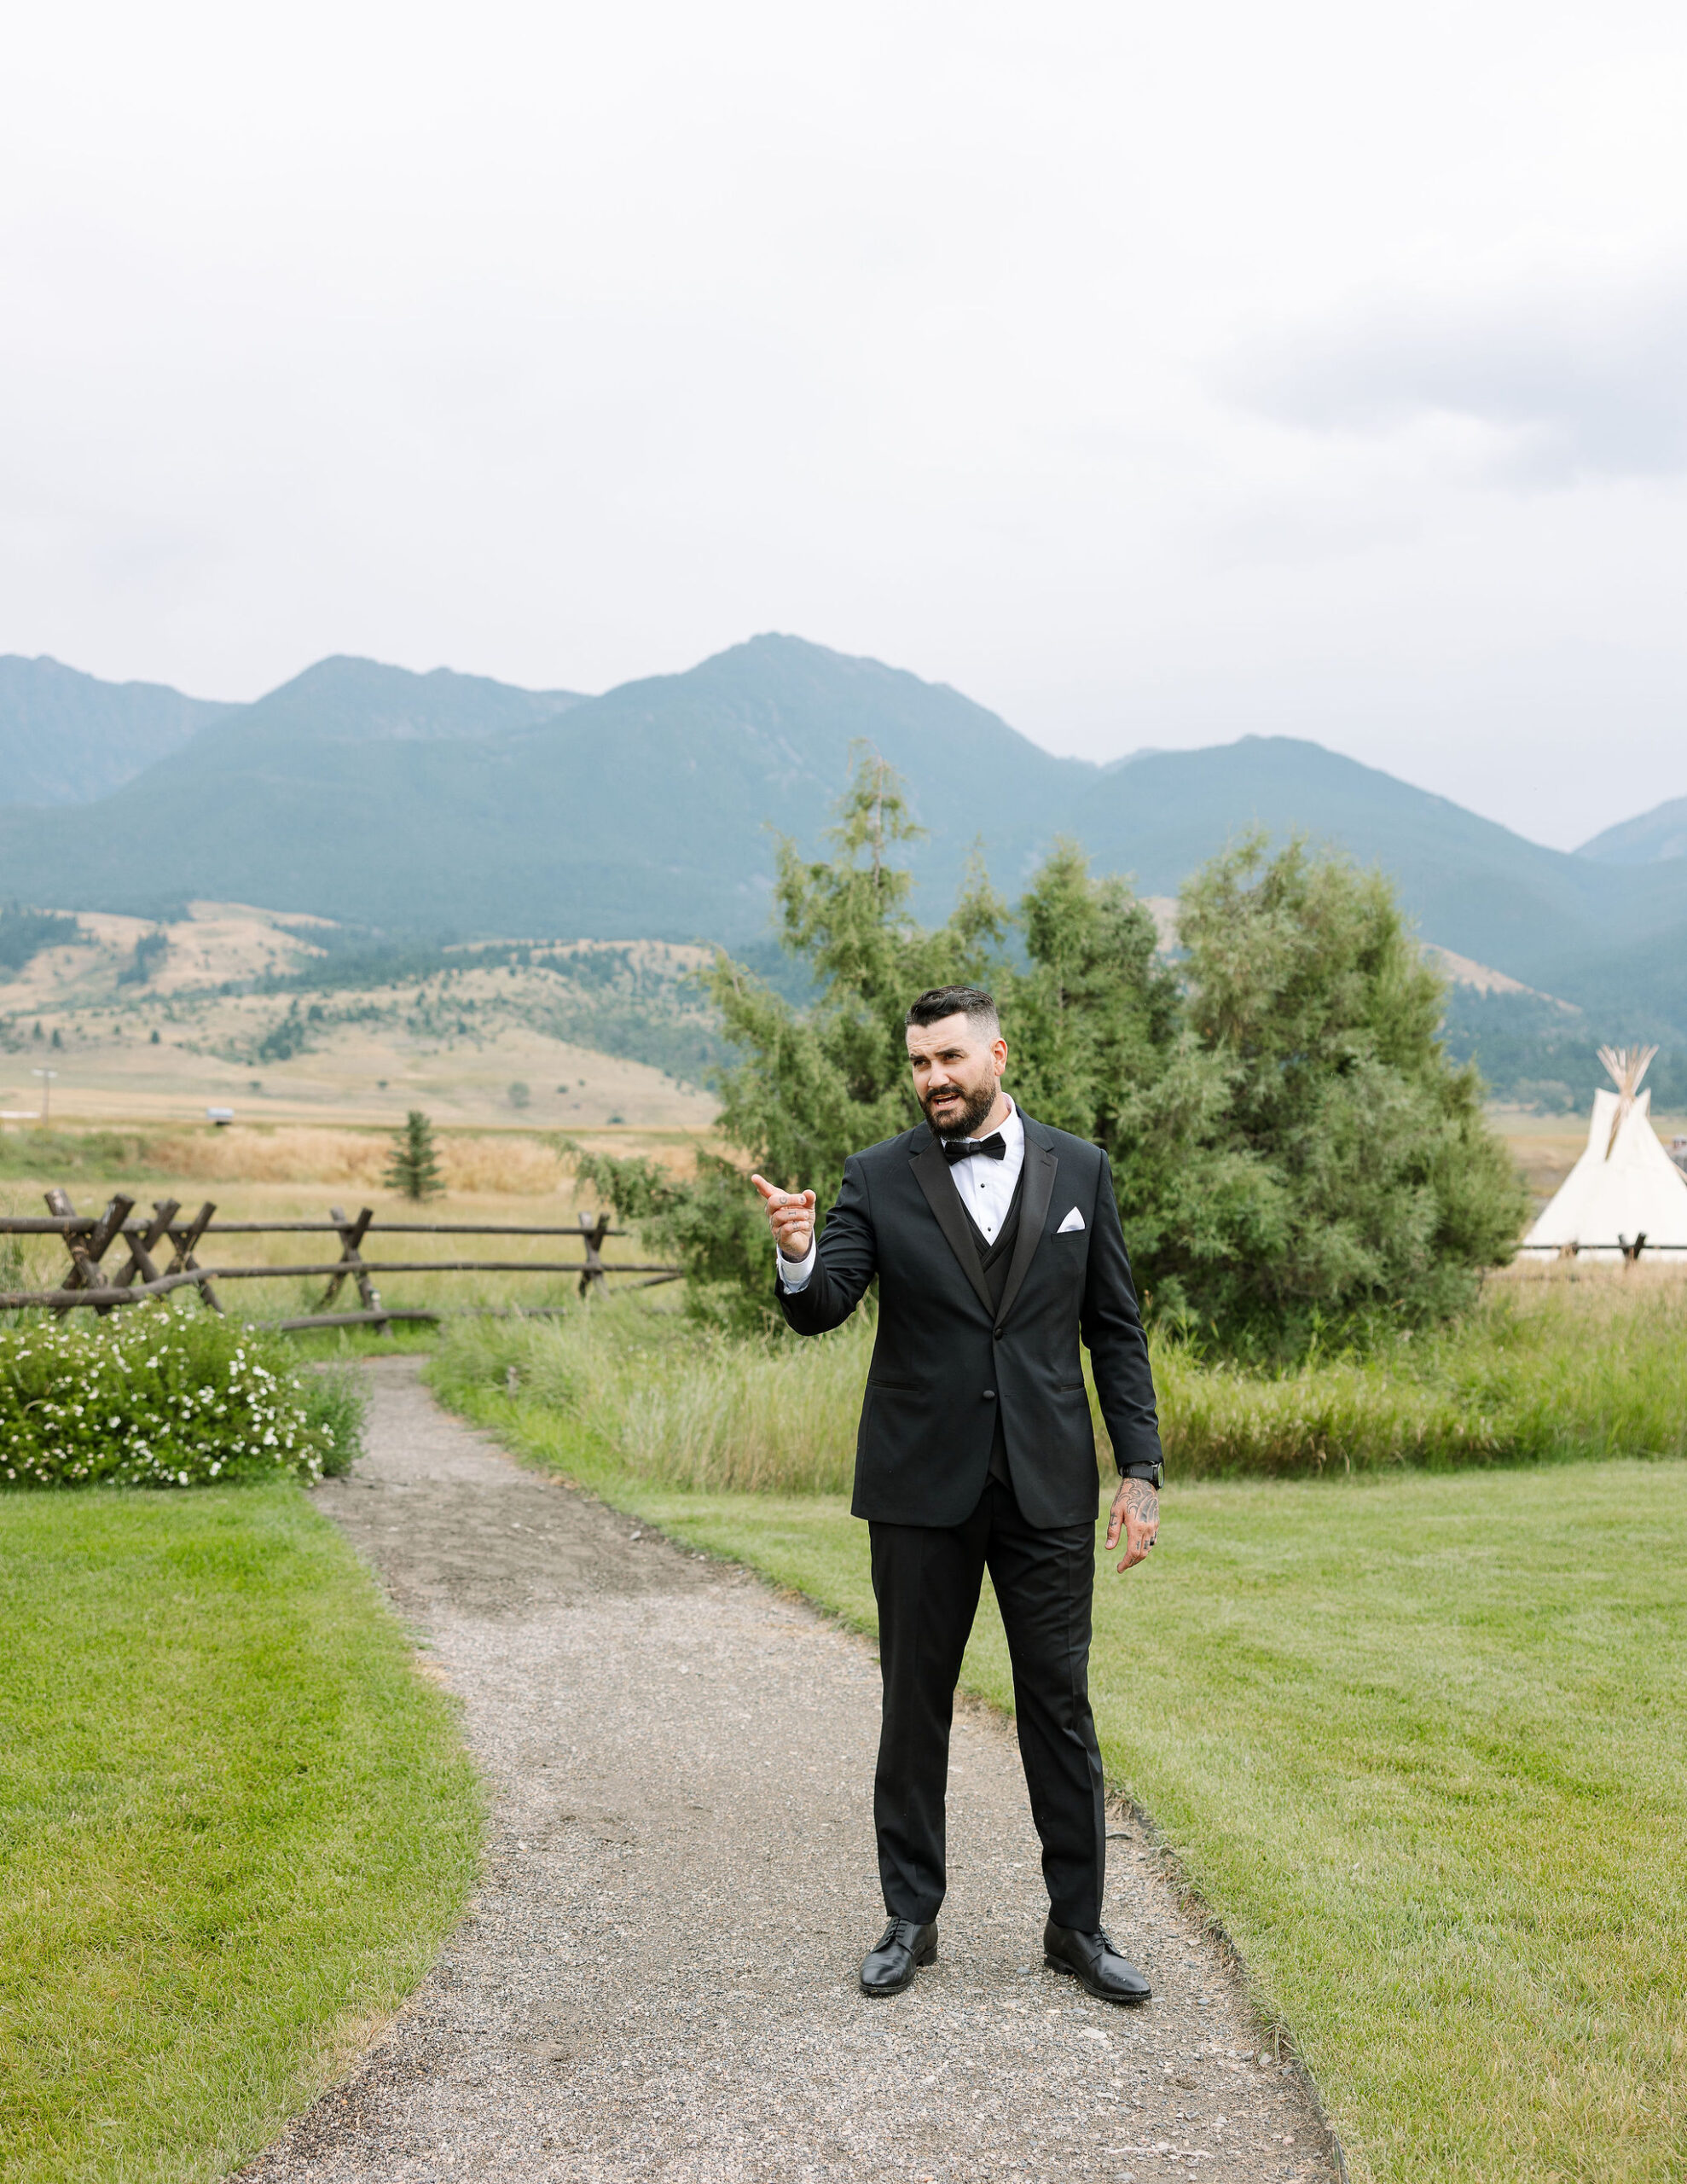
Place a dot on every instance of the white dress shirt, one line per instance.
(986, 1189)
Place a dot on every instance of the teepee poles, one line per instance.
(1628, 1065)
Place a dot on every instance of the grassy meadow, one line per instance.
(235, 1825)
(1409, 1721)
(1400, 1688)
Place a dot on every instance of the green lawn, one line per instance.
(235, 1825)
(1419, 1741)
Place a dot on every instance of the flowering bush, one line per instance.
(157, 1396)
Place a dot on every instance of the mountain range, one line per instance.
(448, 803)
(66, 737)
(1655, 835)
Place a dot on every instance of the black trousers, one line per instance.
(926, 1580)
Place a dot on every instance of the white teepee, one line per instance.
(1624, 1190)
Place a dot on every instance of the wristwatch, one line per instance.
(1154, 1474)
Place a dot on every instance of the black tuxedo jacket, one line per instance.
(944, 1360)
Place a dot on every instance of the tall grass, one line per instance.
(1549, 1373)
(674, 1401)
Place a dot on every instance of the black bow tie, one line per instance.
(992, 1148)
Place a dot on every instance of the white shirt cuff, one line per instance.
(794, 1277)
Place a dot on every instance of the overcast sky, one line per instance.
(1155, 375)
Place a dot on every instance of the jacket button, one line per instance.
(989, 1395)
(997, 1333)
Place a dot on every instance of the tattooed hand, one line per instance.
(1136, 1507)
(791, 1214)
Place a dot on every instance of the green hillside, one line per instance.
(448, 805)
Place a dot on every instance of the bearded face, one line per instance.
(954, 1112)
(957, 1074)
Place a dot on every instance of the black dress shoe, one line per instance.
(902, 1948)
(1093, 1959)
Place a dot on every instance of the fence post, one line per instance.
(591, 1234)
(85, 1256)
(183, 1260)
(141, 1248)
(352, 1234)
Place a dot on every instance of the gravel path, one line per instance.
(657, 1978)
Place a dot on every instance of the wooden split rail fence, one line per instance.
(146, 1240)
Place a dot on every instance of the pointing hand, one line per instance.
(791, 1214)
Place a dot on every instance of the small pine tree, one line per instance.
(412, 1165)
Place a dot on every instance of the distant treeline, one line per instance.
(1541, 1056)
(150, 950)
(604, 996)
(354, 957)
(25, 934)
(351, 959)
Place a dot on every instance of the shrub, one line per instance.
(162, 1395)
(336, 1404)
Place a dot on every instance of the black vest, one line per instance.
(993, 1261)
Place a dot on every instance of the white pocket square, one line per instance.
(1074, 1220)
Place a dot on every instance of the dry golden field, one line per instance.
(1546, 1148)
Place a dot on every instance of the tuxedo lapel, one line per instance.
(932, 1172)
(1038, 1188)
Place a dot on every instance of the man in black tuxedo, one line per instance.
(997, 1248)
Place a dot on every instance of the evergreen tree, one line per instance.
(1098, 1044)
(1380, 1189)
(1292, 1149)
(817, 1084)
(412, 1165)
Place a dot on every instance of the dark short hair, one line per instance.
(978, 1007)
